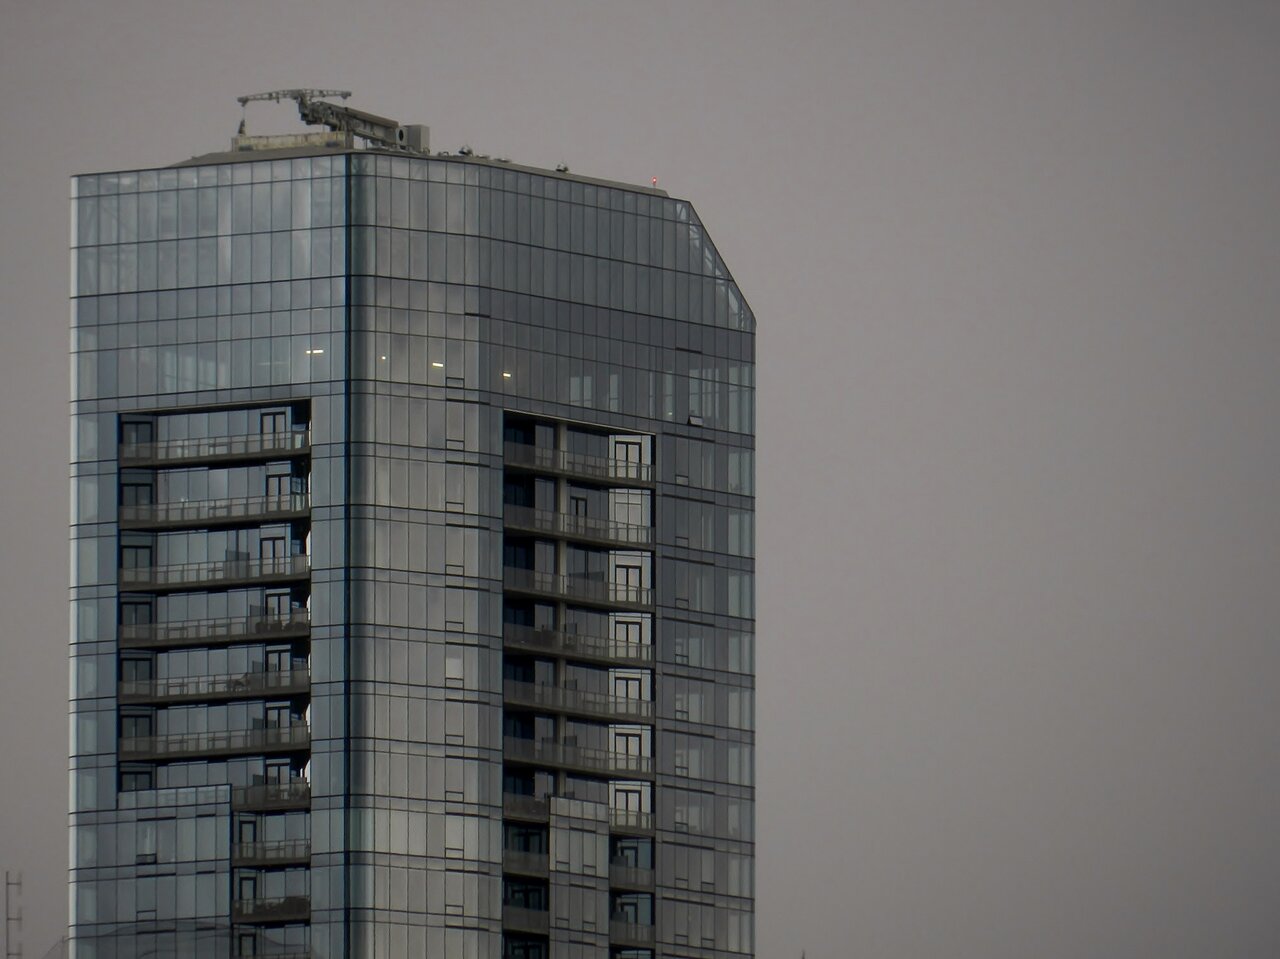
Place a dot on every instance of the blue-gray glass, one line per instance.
(413, 526)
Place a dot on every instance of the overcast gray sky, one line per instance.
(1016, 266)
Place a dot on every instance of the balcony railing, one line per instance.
(577, 758)
(212, 632)
(624, 932)
(623, 875)
(212, 448)
(284, 909)
(579, 465)
(575, 702)
(576, 589)
(614, 652)
(285, 682)
(524, 807)
(585, 528)
(216, 512)
(271, 853)
(186, 575)
(519, 919)
(524, 863)
(265, 797)
(630, 821)
(270, 739)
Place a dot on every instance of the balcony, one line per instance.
(597, 469)
(272, 797)
(230, 572)
(624, 932)
(276, 683)
(623, 875)
(519, 919)
(525, 808)
(576, 589)
(217, 449)
(265, 854)
(234, 742)
(586, 529)
(600, 762)
(630, 821)
(263, 911)
(572, 702)
(597, 649)
(216, 512)
(216, 632)
(522, 863)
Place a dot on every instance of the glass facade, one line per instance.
(412, 565)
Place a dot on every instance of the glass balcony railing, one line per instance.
(572, 645)
(285, 682)
(585, 528)
(526, 808)
(210, 448)
(577, 758)
(176, 746)
(578, 465)
(271, 853)
(630, 821)
(623, 875)
(524, 863)
(185, 575)
(266, 797)
(624, 932)
(577, 589)
(212, 632)
(283, 909)
(519, 919)
(574, 702)
(214, 512)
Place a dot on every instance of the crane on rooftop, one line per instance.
(315, 109)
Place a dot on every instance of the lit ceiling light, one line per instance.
(439, 366)
(506, 375)
(382, 357)
(314, 352)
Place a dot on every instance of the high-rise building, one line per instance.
(412, 560)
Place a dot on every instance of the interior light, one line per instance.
(439, 366)
(382, 357)
(314, 352)
(506, 375)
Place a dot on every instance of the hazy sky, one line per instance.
(1016, 266)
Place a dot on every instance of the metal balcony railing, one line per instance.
(630, 821)
(185, 575)
(211, 448)
(577, 758)
(270, 739)
(601, 649)
(623, 875)
(586, 528)
(287, 682)
(524, 807)
(577, 465)
(291, 794)
(524, 863)
(284, 909)
(215, 512)
(271, 853)
(576, 589)
(624, 932)
(210, 632)
(519, 919)
(575, 702)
